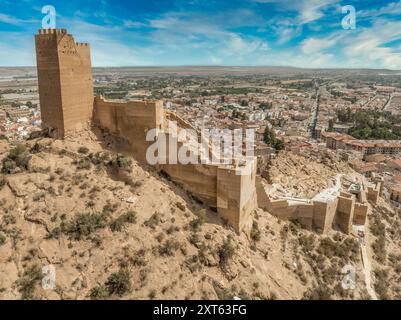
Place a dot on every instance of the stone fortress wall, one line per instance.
(343, 210)
(67, 105)
(228, 189)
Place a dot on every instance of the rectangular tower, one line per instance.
(65, 82)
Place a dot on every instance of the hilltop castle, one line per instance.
(67, 105)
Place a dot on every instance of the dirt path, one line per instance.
(367, 270)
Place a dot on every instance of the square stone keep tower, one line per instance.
(65, 82)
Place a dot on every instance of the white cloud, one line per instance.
(5, 18)
(184, 32)
(107, 48)
(114, 54)
(371, 53)
(369, 46)
(286, 31)
(16, 53)
(317, 60)
(312, 45)
(298, 13)
(133, 24)
(307, 10)
(239, 45)
(393, 8)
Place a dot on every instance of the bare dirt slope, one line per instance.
(114, 229)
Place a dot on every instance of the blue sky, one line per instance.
(301, 33)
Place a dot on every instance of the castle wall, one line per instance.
(76, 82)
(302, 212)
(200, 179)
(262, 198)
(320, 216)
(362, 196)
(305, 214)
(345, 212)
(236, 194)
(373, 193)
(360, 214)
(230, 190)
(66, 97)
(130, 120)
(65, 82)
(282, 209)
(323, 215)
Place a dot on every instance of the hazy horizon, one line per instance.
(216, 67)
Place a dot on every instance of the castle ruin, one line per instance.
(67, 105)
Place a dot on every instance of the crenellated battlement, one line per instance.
(146, 103)
(52, 31)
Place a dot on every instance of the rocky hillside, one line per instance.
(303, 176)
(114, 229)
(385, 244)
